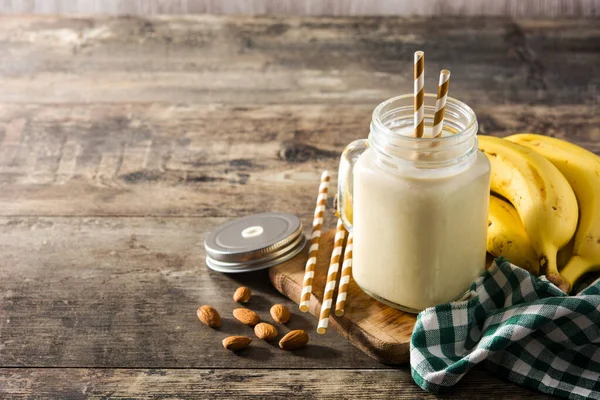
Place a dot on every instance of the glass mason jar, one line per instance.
(417, 207)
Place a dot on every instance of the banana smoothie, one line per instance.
(437, 246)
(419, 208)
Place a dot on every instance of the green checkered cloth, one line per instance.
(521, 328)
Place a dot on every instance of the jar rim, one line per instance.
(470, 114)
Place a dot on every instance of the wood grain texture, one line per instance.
(123, 141)
(202, 160)
(123, 292)
(379, 330)
(242, 384)
(250, 61)
(514, 8)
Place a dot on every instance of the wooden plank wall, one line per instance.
(513, 8)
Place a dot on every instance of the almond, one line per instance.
(280, 313)
(209, 316)
(235, 343)
(242, 295)
(265, 331)
(294, 340)
(246, 316)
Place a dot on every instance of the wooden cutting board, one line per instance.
(379, 330)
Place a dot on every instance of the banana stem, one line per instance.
(576, 268)
(549, 267)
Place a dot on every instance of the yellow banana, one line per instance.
(565, 254)
(541, 194)
(582, 170)
(506, 236)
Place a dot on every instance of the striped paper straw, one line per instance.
(334, 265)
(309, 271)
(345, 278)
(419, 92)
(440, 104)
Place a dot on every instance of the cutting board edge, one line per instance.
(357, 336)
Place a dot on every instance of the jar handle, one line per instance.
(346, 180)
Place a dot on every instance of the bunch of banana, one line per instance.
(506, 236)
(581, 168)
(541, 196)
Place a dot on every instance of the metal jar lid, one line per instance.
(255, 242)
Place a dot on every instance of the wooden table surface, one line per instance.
(123, 141)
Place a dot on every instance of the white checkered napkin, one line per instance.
(520, 327)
